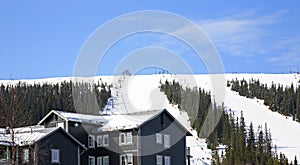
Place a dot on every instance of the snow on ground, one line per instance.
(135, 93)
(285, 132)
(198, 149)
(142, 93)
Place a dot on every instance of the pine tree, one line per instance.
(251, 145)
(241, 139)
(260, 147)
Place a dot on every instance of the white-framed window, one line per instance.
(55, 155)
(126, 159)
(167, 160)
(105, 140)
(128, 137)
(105, 160)
(99, 160)
(122, 138)
(91, 160)
(102, 140)
(125, 138)
(99, 140)
(159, 160)
(91, 141)
(25, 155)
(158, 138)
(167, 140)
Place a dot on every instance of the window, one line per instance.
(166, 141)
(26, 155)
(54, 155)
(99, 160)
(105, 160)
(91, 160)
(129, 137)
(99, 141)
(125, 138)
(102, 140)
(105, 140)
(167, 160)
(91, 141)
(122, 138)
(159, 160)
(126, 159)
(158, 138)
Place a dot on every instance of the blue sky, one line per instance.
(43, 38)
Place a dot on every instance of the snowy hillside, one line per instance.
(285, 132)
(135, 93)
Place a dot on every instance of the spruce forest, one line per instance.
(285, 100)
(34, 101)
(243, 144)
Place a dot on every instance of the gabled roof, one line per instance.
(134, 120)
(31, 134)
(24, 135)
(75, 117)
(68, 135)
(188, 133)
(120, 121)
(127, 120)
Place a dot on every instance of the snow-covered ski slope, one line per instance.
(141, 93)
(285, 132)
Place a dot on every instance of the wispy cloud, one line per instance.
(249, 35)
(242, 35)
(246, 34)
(289, 52)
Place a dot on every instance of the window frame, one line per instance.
(167, 158)
(103, 142)
(131, 140)
(128, 138)
(120, 139)
(105, 158)
(93, 141)
(91, 158)
(56, 152)
(25, 153)
(167, 140)
(131, 157)
(159, 157)
(100, 160)
(159, 138)
(99, 141)
(127, 156)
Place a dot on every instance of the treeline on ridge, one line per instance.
(285, 100)
(31, 102)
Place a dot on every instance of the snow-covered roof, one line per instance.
(111, 122)
(25, 135)
(29, 135)
(127, 120)
(75, 117)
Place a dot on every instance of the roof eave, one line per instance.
(52, 111)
